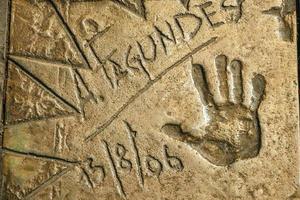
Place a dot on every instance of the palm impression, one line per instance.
(232, 130)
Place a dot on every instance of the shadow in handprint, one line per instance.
(232, 130)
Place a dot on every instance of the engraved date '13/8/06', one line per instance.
(118, 161)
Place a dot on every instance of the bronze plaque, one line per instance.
(149, 99)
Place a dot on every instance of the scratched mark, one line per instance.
(132, 136)
(69, 32)
(48, 182)
(39, 156)
(60, 138)
(114, 172)
(51, 180)
(45, 104)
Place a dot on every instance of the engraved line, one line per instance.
(38, 156)
(82, 80)
(48, 182)
(79, 79)
(69, 32)
(113, 168)
(9, 124)
(77, 92)
(147, 87)
(42, 84)
(5, 77)
(28, 58)
(90, 182)
(55, 138)
(5, 82)
(139, 169)
(146, 71)
(102, 63)
(4, 96)
(298, 55)
(97, 35)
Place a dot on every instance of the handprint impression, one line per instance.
(232, 130)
